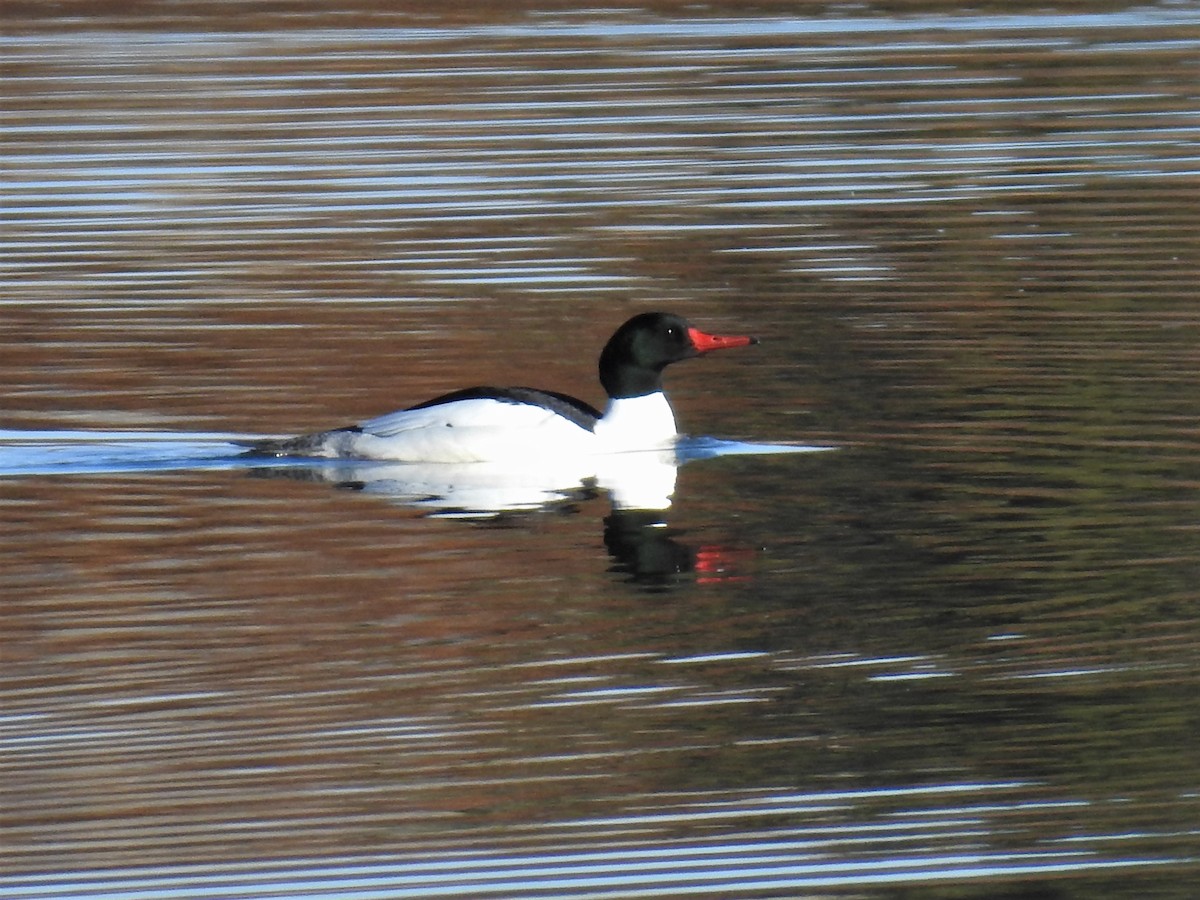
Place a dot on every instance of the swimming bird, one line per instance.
(522, 425)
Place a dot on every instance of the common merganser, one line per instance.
(520, 424)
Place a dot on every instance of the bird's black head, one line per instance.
(632, 361)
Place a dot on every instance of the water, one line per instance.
(954, 655)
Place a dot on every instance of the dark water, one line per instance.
(958, 656)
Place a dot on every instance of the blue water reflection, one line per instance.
(597, 858)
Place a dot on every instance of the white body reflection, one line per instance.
(643, 480)
(640, 486)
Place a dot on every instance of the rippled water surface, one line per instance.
(956, 655)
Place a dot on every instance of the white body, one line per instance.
(485, 430)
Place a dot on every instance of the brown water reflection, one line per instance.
(959, 651)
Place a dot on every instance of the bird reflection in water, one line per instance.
(639, 485)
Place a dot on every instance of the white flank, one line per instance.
(485, 430)
(480, 430)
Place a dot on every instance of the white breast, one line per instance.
(636, 423)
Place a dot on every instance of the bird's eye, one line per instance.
(672, 331)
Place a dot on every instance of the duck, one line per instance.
(528, 425)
